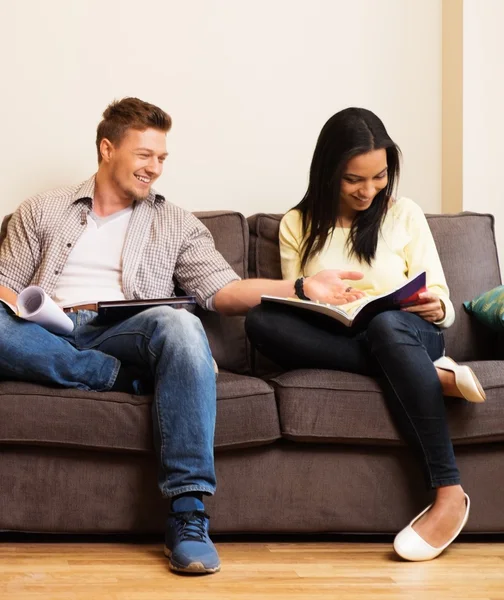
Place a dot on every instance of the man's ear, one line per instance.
(106, 149)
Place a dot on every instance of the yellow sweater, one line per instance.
(405, 248)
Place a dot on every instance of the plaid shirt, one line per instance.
(164, 245)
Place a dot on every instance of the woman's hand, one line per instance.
(328, 286)
(429, 307)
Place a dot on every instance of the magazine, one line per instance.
(358, 314)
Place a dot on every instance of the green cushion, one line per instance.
(488, 308)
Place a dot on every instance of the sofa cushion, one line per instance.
(33, 414)
(468, 252)
(226, 335)
(334, 406)
(264, 253)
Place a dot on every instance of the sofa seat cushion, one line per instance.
(334, 406)
(39, 415)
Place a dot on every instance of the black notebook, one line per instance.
(113, 311)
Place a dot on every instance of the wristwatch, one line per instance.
(298, 288)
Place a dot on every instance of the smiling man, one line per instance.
(112, 238)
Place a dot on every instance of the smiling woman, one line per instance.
(365, 176)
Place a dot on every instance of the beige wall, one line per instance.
(248, 84)
(483, 123)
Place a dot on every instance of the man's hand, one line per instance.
(329, 286)
(429, 307)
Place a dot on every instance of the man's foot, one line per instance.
(187, 543)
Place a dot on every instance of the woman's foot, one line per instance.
(440, 523)
(434, 529)
(459, 381)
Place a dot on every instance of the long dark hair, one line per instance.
(346, 134)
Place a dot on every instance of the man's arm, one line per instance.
(20, 251)
(326, 286)
(8, 295)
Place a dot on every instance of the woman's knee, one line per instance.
(389, 325)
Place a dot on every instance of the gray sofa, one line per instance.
(298, 452)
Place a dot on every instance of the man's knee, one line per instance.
(176, 322)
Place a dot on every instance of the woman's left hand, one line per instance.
(429, 307)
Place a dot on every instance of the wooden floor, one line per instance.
(280, 571)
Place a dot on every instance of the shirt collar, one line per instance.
(86, 193)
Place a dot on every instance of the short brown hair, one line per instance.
(129, 113)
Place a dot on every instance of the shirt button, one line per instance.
(56, 272)
(69, 245)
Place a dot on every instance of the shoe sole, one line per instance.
(194, 567)
(478, 385)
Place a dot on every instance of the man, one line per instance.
(113, 237)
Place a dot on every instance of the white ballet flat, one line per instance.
(465, 379)
(410, 546)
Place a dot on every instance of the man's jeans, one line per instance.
(398, 347)
(168, 344)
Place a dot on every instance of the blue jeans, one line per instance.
(168, 345)
(397, 347)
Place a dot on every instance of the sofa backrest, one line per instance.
(226, 335)
(468, 252)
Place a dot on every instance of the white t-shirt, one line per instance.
(93, 271)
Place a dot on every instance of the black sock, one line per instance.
(124, 381)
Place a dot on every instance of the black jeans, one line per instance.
(397, 347)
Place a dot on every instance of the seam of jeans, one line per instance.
(409, 419)
(438, 334)
(109, 337)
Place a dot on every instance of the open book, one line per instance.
(358, 314)
(33, 304)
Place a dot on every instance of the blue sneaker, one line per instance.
(187, 543)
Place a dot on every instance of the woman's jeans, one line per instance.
(397, 347)
(168, 345)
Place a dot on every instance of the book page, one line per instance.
(36, 306)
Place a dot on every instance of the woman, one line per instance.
(349, 219)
